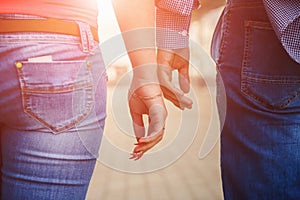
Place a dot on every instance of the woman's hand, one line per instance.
(147, 100)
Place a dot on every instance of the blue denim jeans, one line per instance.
(52, 113)
(260, 140)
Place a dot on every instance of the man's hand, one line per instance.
(147, 100)
(169, 60)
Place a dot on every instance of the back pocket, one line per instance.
(270, 78)
(58, 94)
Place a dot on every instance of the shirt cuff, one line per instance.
(172, 30)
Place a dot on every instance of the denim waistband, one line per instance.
(88, 43)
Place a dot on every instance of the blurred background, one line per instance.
(174, 170)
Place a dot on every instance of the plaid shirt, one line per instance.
(285, 18)
(173, 20)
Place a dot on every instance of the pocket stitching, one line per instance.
(258, 78)
(88, 87)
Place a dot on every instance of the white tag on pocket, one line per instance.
(41, 59)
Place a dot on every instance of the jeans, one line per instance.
(260, 140)
(52, 114)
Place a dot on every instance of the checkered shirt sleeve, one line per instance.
(285, 18)
(182, 7)
(173, 19)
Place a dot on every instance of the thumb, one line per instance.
(184, 79)
(157, 115)
(139, 130)
(181, 63)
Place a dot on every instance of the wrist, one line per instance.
(144, 76)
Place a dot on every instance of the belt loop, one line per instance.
(87, 39)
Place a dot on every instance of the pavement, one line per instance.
(184, 177)
(174, 169)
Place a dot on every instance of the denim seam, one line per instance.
(271, 79)
(51, 90)
(224, 31)
(81, 141)
(25, 98)
(226, 24)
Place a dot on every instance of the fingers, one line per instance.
(179, 100)
(136, 156)
(137, 108)
(173, 94)
(157, 117)
(139, 130)
(183, 76)
(175, 60)
(165, 57)
(146, 143)
(165, 78)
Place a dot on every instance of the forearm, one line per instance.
(136, 20)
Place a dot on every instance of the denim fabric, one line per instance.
(52, 116)
(260, 141)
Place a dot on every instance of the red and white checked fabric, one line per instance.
(181, 7)
(173, 19)
(285, 18)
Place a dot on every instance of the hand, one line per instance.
(145, 98)
(169, 60)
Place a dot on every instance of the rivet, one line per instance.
(19, 65)
(89, 63)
